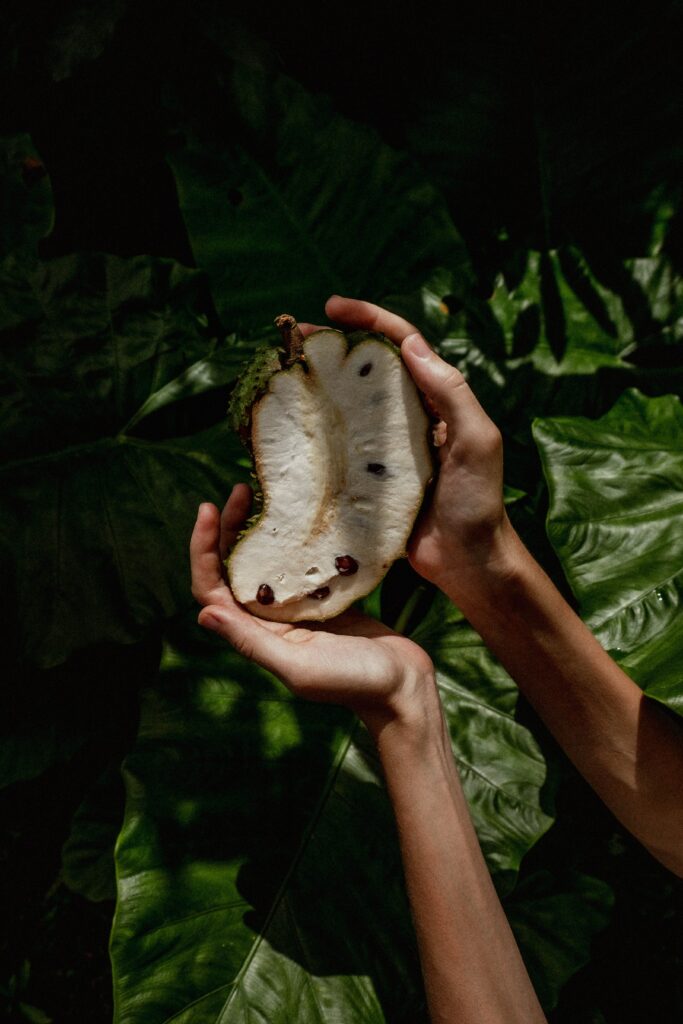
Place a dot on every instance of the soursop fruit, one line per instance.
(340, 443)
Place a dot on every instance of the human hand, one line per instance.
(352, 660)
(464, 531)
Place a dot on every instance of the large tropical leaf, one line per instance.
(96, 520)
(616, 486)
(500, 764)
(554, 923)
(258, 868)
(561, 316)
(298, 202)
(550, 315)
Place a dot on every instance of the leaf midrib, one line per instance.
(282, 891)
(625, 518)
(298, 229)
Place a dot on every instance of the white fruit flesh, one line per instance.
(343, 459)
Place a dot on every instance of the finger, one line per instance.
(233, 517)
(249, 637)
(354, 623)
(307, 329)
(443, 385)
(205, 559)
(358, 313)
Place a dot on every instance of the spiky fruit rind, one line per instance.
(251, 385)
(343, 458)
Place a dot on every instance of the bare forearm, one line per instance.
(472, 968)
(626, 746)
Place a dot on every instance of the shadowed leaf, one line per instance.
(303, 203)
(101, 518)
(258, 868)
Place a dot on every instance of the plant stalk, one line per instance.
(292, 337)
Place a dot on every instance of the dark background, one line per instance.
(543, 124)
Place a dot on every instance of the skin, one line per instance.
(626, 746)
(472, 968)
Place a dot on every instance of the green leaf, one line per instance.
(554, 922)
(226, 361)
(236, 823)
(258, 868)
(500, 764)
(34, 1014)
(102, 518)
(560, 316)
(656, 665)
(427, 307)
(85, 340)
(26, 211)
(615, 505)
(303, 203)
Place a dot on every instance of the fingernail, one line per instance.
(418, 346)
(210, 622)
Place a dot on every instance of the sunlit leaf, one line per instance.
(258, 868)
(501, 766)
(616, 486)
(560, 316)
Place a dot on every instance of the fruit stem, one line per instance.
(292, 337)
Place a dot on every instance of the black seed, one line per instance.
(377, 468)
(346, 565)
(365, 370)
(264, 594)
(320, 593)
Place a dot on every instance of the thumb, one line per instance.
(443, 384)
(251, 639)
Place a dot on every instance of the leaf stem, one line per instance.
(409, 607)
(292, 337)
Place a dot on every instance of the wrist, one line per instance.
(413, 711)
(490, 569)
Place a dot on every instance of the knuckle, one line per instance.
(491, 439)
(244, 647)
(453, 378)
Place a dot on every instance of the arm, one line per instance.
(472, 969)
(624, 744)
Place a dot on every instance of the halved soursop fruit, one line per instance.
(339, 439)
